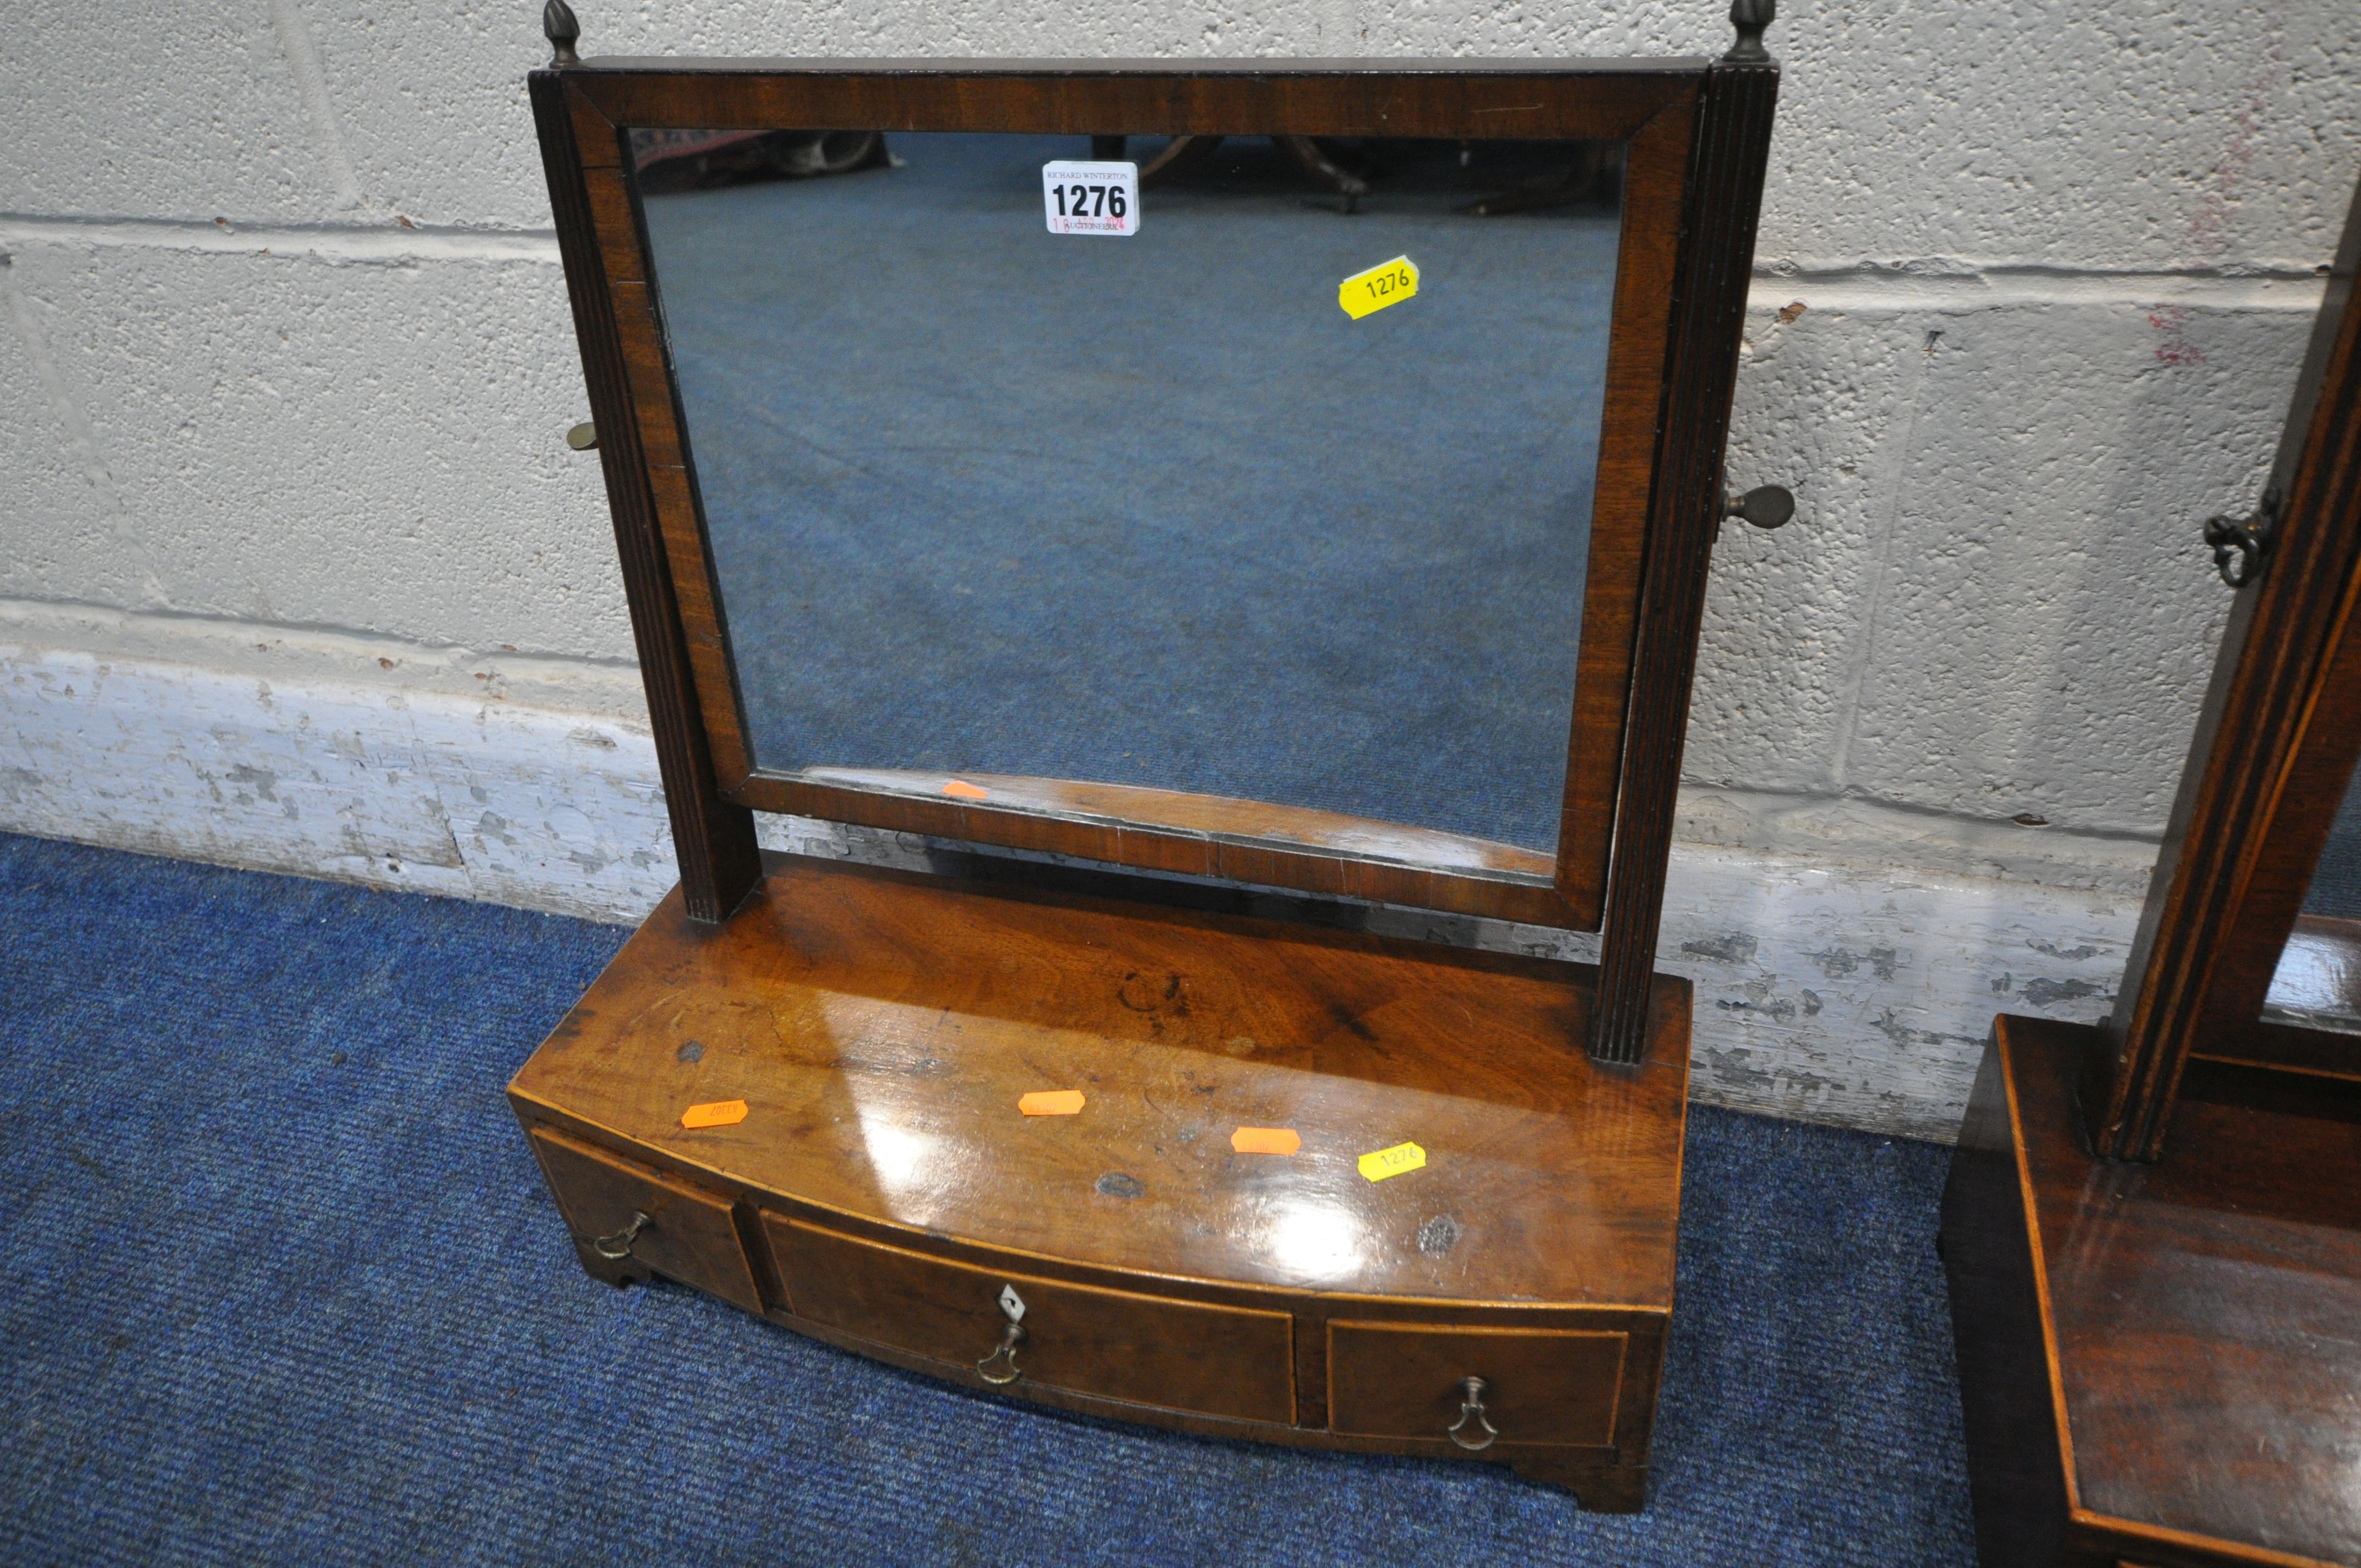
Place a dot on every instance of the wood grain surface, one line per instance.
(1658, 163)
(1545, 1386)
(713, 838)
(884, 1184)
(1254, 843)
(882, 1026)
(1118, 1344)
(1249, 822)
(2192, 1322)
(691, 1234)
(1607, 1480)
(1586, 100)
(1716, 263)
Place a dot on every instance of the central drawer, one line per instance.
(1117, 1344)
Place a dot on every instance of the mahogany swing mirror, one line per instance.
(1297, 476)
(2152, 1227)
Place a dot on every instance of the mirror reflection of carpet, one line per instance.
(1149, 510)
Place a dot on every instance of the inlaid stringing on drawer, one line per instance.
(1117, 1344)
(668, 1224)
(1540, 1386)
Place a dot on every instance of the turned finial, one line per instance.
(1749, 16)
(558, 26)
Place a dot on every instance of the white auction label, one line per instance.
(1091, 198)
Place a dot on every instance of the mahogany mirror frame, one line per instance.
(2276, 742)
(1697, 135)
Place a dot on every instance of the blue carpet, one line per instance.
(2336, 890)
(286, 1287)
(1150, 510)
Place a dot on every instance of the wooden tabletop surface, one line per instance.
(882, 1026)
(2206, 1310)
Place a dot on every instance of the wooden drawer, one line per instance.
(1117, 1344)
(1549, 1385)
(690, 1234)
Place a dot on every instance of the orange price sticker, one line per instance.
(1266, 1140)
(966, 791)
(715, 1114)
(1051, 1102)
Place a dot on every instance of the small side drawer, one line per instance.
(1550, 1386)
(1117, 1344)
(689, 1235)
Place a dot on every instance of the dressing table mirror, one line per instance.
(2153, 1226)
(1200, 502)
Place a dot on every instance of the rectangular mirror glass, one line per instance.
(2318, 980)
(989, 501)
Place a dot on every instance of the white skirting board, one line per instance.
(1831, 988)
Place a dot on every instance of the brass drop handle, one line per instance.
(1471, 1408)
(1005, 1351)
(619, 1245)
(1011, 1334)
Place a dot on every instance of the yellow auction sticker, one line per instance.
(1388, 284)
(1394, 1161)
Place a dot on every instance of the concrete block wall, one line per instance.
(296, 570)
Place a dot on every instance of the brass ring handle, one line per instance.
(1471, 1408)
(619, 1245)
(1009, 1337)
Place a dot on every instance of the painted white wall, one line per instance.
(286, 365)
